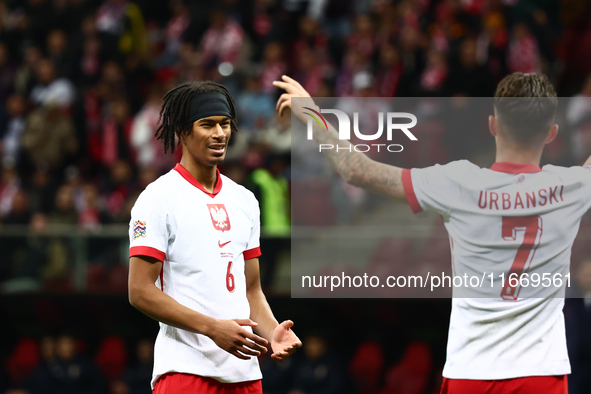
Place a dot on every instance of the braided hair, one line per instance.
(174, 115)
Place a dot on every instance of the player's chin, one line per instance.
(216, 159)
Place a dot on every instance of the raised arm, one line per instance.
(152, 301)
(355, 167)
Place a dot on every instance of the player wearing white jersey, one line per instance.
(194, 251)
(512, 218)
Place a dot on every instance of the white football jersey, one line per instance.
(511, 218)
(203, 239)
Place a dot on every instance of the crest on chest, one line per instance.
(219, 217)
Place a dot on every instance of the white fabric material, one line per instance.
(178, 221)
(491, 338)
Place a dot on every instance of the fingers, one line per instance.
(236, 353)
(247, 351)
(287, 324)
(246, 322)
(291, 81)
(289, 88)
(283, 107)
(283, 98)
(255, 338)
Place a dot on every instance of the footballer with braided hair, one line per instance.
(194, 248)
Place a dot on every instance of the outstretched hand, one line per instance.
(284, 342)
(293, 89)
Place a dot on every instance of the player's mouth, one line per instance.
(217, 149)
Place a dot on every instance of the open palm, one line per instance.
(284, 341)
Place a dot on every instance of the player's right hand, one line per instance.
(293, 89)
(231, 336)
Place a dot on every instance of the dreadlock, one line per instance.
(174, 115)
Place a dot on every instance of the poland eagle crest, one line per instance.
(219, 217)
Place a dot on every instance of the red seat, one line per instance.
(23, 360)
(411, 374)
(366, 367)
(111, 357)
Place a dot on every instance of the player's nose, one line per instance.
(218, 132)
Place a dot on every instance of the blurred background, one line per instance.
(80, 89)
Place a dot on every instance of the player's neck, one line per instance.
(205, 175)
(507, 153)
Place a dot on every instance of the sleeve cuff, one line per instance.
(147, 251)
(252, 253)
(409, 191)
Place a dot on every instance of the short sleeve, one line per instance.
(148, 230)
(253, 249)
(433, 188)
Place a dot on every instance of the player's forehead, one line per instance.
(214, 119)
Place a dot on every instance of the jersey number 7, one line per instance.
(532, 225)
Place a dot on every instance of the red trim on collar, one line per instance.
(515, 168)
(189, 178)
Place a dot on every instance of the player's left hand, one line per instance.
(284, 342)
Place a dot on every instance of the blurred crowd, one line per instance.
(66, 364)
(61, 365)
(82, 80)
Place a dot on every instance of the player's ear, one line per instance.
(551, 134)
(492, 125)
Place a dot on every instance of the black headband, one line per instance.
(209, 104)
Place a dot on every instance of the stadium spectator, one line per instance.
(523, 51)
(40, 190)
(67, 373)
(137, 377)
(389, 71)
(51, 89)
(277, 136)
(222, 41)
(254, 106)
(13, 130)
(24, 80)
(271, 189)
(273, 66)
(117, 191)
(116, 133)
(467, 77)
(7, 71)
(20, 212)
(433, 77)
(123, 23)
(145, 123)
(64, 211)
(49, 138)
(175, 29)
(58, 52)
(319, 370)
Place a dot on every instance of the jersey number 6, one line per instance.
(532, 225)
(230, 278)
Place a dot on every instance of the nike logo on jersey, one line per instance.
(221, 245)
